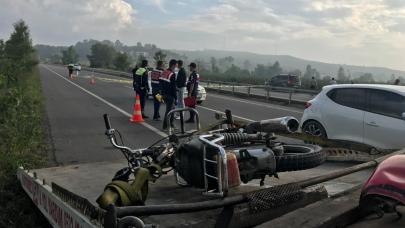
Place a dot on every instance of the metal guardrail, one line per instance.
(289, 94)
(285, 94)
(108, 71)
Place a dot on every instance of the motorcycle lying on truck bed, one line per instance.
(215, 160)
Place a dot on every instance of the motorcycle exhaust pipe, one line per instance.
(287, 124)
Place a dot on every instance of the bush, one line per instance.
(21, 131)
(21, 144)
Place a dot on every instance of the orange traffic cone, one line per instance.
(92, 80)
(137, 116)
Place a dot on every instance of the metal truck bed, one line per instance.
(88, 181)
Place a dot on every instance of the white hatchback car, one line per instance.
(368, 114)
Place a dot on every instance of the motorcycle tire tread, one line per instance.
(308, 156)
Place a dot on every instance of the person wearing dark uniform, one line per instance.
(169, 91)
(140, 84)
(70, 68)
(192, 88)
(181, 80)
(314, 84)
(155, 81)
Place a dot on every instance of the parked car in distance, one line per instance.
(201, 95)
(285, 80)
(77, 67)
(370, 114)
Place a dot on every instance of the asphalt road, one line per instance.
(75, 108)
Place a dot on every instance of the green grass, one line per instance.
(22, 143)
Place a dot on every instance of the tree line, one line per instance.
(221, 69)
(115, 55)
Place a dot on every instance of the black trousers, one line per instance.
(169, 101)
(142, 97)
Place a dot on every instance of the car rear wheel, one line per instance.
(314, 128)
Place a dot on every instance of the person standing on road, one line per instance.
(155, 81)
(140, 84)
(78, 68)
(397, 81)
(70, 69)
(314, 84)
(181, 80)
(169, 91)
(192, 88)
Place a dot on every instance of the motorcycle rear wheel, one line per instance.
(299, 157)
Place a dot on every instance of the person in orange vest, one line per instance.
(155, 81)
(169, 90)
(140, 84)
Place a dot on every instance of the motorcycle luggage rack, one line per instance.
(221, 164)
(182, 127)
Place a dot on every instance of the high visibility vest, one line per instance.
(140, 71)
(140, 79)
(155, 76)
(167, 75)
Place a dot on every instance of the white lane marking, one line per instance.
(214, 110)
(256, 103)
(150, 127)
(231, 99)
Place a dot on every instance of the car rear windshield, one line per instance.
(350, 97)
(294, 78)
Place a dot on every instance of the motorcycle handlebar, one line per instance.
(107, 122)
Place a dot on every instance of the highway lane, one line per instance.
(221, 102)
(77, 126)
(257, 110)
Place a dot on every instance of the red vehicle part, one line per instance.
(388, 179)
(385, 189)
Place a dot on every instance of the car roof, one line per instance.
(285, 75)
(392, 88)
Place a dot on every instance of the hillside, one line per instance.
(290, 63)
(244, 60)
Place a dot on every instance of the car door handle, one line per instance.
(373, 124)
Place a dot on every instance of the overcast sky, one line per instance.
(370, 33)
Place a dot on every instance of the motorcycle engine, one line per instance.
(255, 163)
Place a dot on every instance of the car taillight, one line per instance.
(307, 105)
